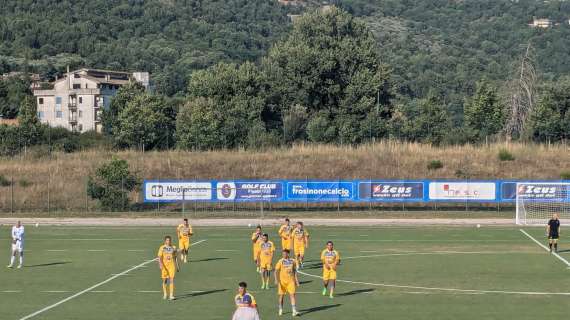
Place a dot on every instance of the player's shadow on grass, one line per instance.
(319, 308)
(46, 264)
(566, 250)
(353, 292)
(209, 259)
(201, 293)
(305, 282)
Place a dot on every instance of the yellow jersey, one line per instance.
(184, 232)
(285, 232)
(257, 239)
(167, 255)
(300, 236)
(330, 257)
(266, 250)
(246, 299)
(287, 269)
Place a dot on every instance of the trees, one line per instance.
(484, 112)
(146, 121)
(119, 102)
(225, 103)
(550, 121)
(328, 64)
(29, 124)
(111, 184)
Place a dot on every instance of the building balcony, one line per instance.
(73, 118)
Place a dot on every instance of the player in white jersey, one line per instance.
(17, 244)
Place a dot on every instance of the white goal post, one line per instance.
(538, 201)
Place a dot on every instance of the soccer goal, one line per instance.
(537, 202)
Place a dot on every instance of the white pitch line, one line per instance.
(429, 253)
(545, 248)
(11, 291)
(56, 250)
(96, 250)
(31, 315)
(102, 291)
(135, 250)
(474, 291)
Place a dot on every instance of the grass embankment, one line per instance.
(58, 182)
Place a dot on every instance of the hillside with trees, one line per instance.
(239, 74)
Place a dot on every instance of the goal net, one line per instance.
(537, 202)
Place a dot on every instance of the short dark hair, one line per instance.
(242, 284)
(300, 222)
(266, 235)
(258, 227)
(186, 219)
(287, 219)
(330, 242)
(168, 237)
(287, 250)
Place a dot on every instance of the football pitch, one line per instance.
(386, 273)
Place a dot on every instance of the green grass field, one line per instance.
(387, 273)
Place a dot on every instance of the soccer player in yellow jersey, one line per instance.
(256, 239)
(285, 232)
(168, 264)
(184, 232)
(330, 259)
(266, 250)
(300, 242)
(286, 280)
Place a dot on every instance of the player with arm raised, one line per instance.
(168, 263)
(17, 244)
(256, 239)
(553, 232)
(184, 232)
(286, 281)
(285, 233)
(330, 259)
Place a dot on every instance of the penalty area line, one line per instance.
(31, 315)
(546, 248)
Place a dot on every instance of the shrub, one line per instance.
(4, 182)
(434, 165)
(111, 185)
(565, 175)
(24, 183)
(505, 155)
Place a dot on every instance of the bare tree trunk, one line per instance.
(522, 95)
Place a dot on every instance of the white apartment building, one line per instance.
(77, 100)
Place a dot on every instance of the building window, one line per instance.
(76, 75)
(40, 100)
(80, 114)
(86, 86)
(80, 100)
(40, 114)
(77, 86)
(58, 100)
(59, 114)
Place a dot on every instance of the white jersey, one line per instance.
(18, 237)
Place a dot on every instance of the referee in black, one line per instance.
(553, 231)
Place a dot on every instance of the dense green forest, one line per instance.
(169, 38)
(243, 75)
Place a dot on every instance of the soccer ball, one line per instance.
(37, 224)
(249, 225)
(478, 226)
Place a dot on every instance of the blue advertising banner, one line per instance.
(249, 190)
(390, 191)
(320, 191)
(354, 190)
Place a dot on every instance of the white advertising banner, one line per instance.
(177, 191)
(462, 191)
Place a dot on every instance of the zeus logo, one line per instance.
(157, 191)
(537, 190)
(386, 188)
